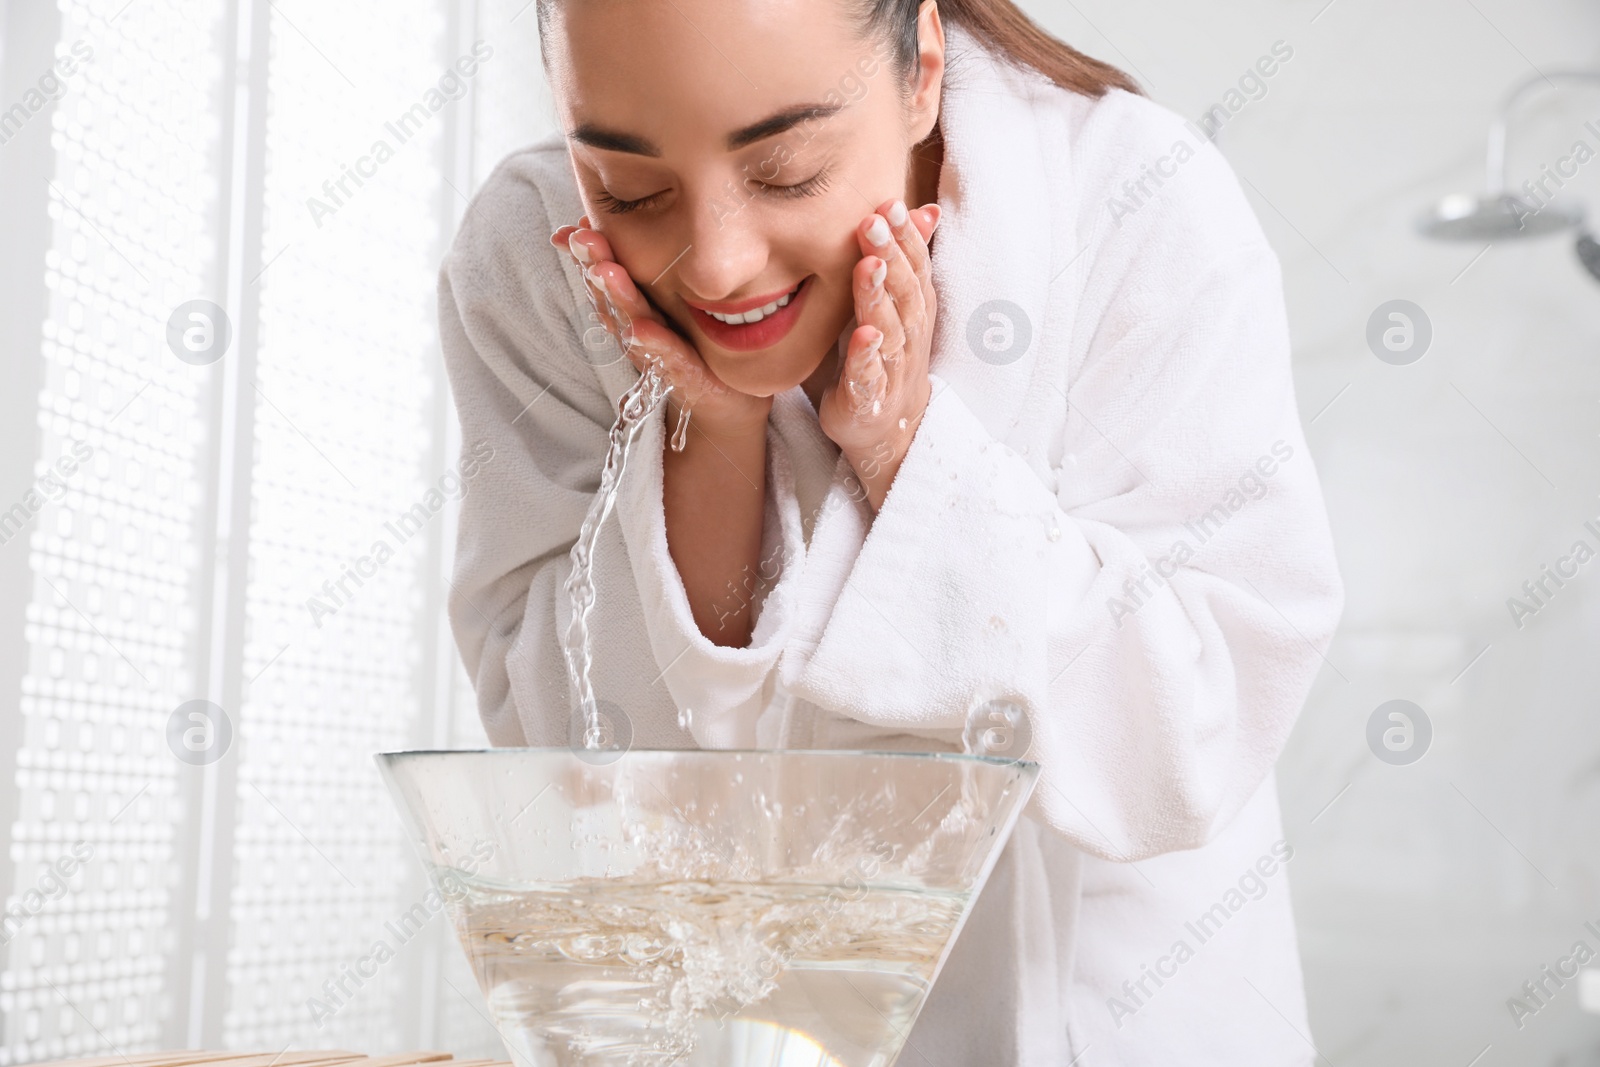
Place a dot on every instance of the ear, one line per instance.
(930, 71)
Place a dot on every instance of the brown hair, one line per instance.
(1005, 29)
(999, 24)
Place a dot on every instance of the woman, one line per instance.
(1027, 452)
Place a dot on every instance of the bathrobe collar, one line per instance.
(992, 263)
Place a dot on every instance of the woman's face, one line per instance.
(727, 150)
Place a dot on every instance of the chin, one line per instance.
(755, 377)
(761, 387)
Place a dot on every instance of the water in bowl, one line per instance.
(698, 974)
(757, 908)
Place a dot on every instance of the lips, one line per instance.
(753, 336)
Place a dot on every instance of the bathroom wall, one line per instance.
(1427, 893)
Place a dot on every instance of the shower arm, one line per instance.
(1497, 131)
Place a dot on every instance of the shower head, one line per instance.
(1589, 253)
(1495, 217)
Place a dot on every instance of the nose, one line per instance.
(727, 249)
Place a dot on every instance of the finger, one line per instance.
(582, 251)
(875, 309)
(911, 271)
(589, 246)
(866, 380)
(630, 316)
(922, 220)
(614, 294)
(879, 237)
(617, 284)
(643, 335)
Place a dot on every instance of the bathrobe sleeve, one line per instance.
(526, 397)
(1157, 596)
(535, 408)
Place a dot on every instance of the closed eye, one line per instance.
(812, 186)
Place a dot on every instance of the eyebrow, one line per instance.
(615, 141)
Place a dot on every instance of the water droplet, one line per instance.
(680, 436)
(685, 718)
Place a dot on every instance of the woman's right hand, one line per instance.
(715, 409)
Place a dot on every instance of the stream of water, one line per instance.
(636, 405)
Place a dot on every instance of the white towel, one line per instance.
(1121, 530)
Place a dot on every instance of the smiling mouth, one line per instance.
(757, 314)
(758, 328)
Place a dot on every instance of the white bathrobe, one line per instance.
(1108, 516)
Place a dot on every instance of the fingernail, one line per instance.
(876, 343)
(580, 250)
(879, 272)
(936, 214)
(878, 232)
(897, 213)
(594, 275)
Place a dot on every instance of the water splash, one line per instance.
(636, 405)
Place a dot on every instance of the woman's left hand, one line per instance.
(871, 412)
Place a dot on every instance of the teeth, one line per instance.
(758, 314)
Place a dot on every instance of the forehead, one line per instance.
(698, 68)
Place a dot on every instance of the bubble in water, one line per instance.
(643, 949)
(601, 733)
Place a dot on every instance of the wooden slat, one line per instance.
(298, 1058)
(405, 1059)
